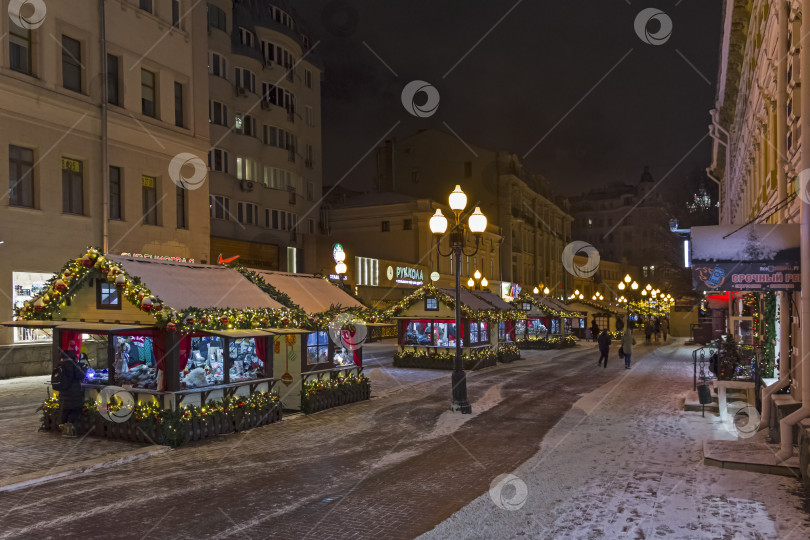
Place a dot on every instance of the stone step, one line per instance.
(694, 406)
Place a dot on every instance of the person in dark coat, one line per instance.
(71, 400)
(604, 346)
(594, 329)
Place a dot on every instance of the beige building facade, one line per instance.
(390, 250)
(535, 225)
(264, 113)
(83, 170)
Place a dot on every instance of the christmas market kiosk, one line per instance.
(187, 350)
(504, 332)
(333, 351)
(542, 326)
(427, 330)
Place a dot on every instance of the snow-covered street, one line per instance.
(625, 462)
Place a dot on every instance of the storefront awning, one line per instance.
(32, 324)
(102, 328)
(239, 333)
(756, 257)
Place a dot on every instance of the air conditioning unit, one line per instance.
(246, 185)
(265, 105)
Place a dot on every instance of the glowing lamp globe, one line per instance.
(457, 200)
(340, 268)
(644, 293)
(545, 291)
(621, 285)
(438, 223)
(536, 290)
(627, 278)
(634, 286)
(470, 283)
(484, 282)
(648, 287)
(477, 274)
(478, 221)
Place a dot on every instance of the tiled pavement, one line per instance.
(393, 466)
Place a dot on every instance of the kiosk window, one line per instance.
(108, 296)
(318, 348)
(432, 304)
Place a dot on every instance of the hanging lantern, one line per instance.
(59, 285)
(146, 305)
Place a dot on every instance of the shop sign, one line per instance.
(510, 291)
(338, 277)
(746, 276)
(406, 275)
(157, 257)
(71, 165)
(338, 253)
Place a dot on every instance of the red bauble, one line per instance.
(224, 320)
(87, 262)
(60, 286)
(285, 321)
(171, 327)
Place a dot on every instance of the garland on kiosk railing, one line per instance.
(525, 297)
(430, 291)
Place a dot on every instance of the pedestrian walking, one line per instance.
(594, 329)
(665, 328)
(67, 380)
(648, 330)
(627, 347)
(657, 329)
(604, 347)
(619, 324)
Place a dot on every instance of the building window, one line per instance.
(176, 13)
(72, 186)
(218, 113)
(148, 93)
(292, 263)
(309, 116)
(20, 176)
(386, 226)
(318, 348)
(249, 126)
(150, 202)
(311, 226)
(113, 95)
(468, 169)
(71, 64)
(146, 5)
(414, 177)
(247, 213)
(368, 271)
(431, 304)
(115, 193)
(218, 160)
(217, 65)
(220, 207)
(178, 105)
(182, 212)
(19, 42)
(310, 191)
(217, 18)
(308, 78)
(108, 296)
(246, 169)
(246, 37)
(407, 224)
(309, 158)
(245, 79)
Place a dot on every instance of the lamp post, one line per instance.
(478, 282)
(477, 224)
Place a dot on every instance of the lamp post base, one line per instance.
(459, 402)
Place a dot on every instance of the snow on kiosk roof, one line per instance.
(753, 243)
(311, 293)
(183, 285)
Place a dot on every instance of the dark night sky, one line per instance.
(520, 81)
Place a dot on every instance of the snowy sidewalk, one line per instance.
(625, 462)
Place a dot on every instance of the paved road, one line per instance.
(391, 467)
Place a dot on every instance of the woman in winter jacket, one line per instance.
(627, 347)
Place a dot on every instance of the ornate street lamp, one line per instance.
(477, 224)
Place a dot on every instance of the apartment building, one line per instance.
(95, 106)
(264, 113)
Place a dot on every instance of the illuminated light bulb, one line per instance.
(484, 282)
(545, 291)
(477, 221)
(536, 290)
(621, 285)
(457, 200)
(627, 278)
(477, 274)
(438, 223)
(470, 282)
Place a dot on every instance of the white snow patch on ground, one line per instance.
(626, 463)
(450, 421)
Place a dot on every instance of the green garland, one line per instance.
(342, 385)
(508, 352)
(476, 359)
(769, 335)
(430, 291)
(559, 342)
